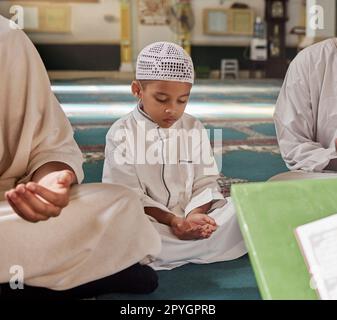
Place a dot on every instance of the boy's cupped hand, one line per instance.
(195, 226)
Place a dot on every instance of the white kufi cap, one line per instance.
(164, 61)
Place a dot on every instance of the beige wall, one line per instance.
(90, 26)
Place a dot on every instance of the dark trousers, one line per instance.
(137, 279)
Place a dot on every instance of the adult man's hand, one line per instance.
(39, 201)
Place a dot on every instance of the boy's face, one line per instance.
(163, 101)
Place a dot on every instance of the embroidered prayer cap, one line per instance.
(164, 61)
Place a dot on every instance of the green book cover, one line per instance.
(268, 214)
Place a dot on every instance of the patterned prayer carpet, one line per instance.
(241, 109)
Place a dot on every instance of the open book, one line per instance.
(318, 244)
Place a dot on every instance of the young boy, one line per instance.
(149, 150)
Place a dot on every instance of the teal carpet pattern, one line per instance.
(240, 110)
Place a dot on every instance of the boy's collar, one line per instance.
(142, 113)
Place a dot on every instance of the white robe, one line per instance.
(169, 176)
(306, 109)
(103, 229)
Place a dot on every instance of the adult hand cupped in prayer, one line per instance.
(40, 201)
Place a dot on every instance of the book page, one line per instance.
(318, 241)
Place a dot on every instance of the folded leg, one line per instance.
(101, 232)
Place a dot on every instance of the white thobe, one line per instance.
(103, 229)
(306, 109)
(175, 176)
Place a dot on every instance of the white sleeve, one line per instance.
(119, 168)
(205, 186)
(294, 121)
(47, 130)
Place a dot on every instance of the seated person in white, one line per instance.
(306, 114)
(89, 232)
(150, 151)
